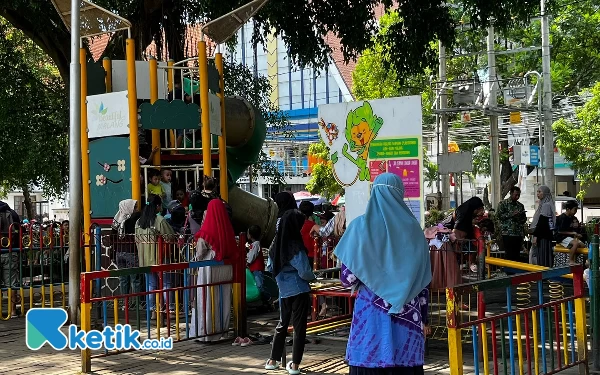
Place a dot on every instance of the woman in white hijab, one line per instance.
(542, 226)
(123, 230)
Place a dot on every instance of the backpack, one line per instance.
(6, 220)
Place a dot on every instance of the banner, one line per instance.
(373, 137)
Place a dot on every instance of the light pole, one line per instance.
(540, 117)
(547, 84)
(75, 183)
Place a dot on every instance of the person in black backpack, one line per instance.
(9, 246)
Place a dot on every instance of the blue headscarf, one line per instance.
(386, 248)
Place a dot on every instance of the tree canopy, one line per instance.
(304, 25)
(322, 181)
(33, 117)
(578, 139)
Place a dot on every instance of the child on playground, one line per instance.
(568, 230)
(154, 185)
(254, 259)
(165, 181)
(183, 197)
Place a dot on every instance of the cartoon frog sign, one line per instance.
(362, 127)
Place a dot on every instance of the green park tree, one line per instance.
(575, 64)
(33, 118)
(322, 181)
(304, 26)
(578, 139)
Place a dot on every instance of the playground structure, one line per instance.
(556, 327)
(233, 144)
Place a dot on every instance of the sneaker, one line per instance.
(246, 342)
(237, 341)
(273, 366)
(290, 370)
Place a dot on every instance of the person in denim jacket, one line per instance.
(288, 262)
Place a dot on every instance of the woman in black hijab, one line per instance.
(288, 262)
(465, 214)
(285, 201)
(463, 227)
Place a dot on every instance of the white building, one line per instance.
(297, 92)
(53, 209)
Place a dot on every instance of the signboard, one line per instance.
(526, 155)
(214, 104)
(515, 118)
(108, 114)
(456, 162)
(369, 138)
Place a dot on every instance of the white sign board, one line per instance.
(214, 104)
(108, 114)
(456, 162)
(369, 138)
(142, 74)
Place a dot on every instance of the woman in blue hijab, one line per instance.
(385, 255)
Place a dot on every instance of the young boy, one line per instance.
(255, 260)
(165, 182)
(154, 185)
(567, 227)
(183, 197)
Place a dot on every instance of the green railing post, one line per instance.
(595, 314)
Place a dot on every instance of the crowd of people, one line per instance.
(466, 230)
(384, 256)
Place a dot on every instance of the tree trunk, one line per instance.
(508, 176)
(486, 198)
(27, 201)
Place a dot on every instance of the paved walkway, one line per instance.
(187, 357)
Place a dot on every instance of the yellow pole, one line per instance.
(580, 332)
(205, 116)
(85, 163)
(170, 83)
(484, 340)
(86, 326)
(134, 153)
(536, 354)
(171, 86)
(455, 357)
(107, 64)
(223, 137)
(154, 98)
(520, 344)
(563, 315)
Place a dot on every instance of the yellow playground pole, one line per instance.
(107, 64)
(153, 98)
(171, 86)
(133, 122)
(204, 105)
(222, 137)
(85, 163)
